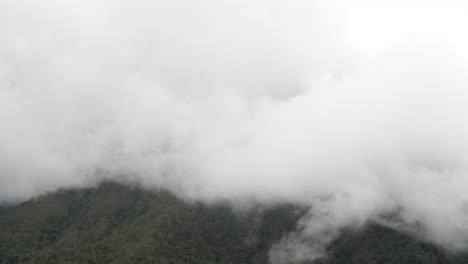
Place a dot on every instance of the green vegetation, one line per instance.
(378, 244)
(118, 224)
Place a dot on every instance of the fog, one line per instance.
(358, 109)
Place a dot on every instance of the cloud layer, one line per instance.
(248, 100)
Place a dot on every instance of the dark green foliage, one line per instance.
(378, 244)
(118, 224)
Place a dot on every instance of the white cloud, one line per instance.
(265, 101)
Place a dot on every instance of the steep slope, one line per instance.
(118, 224)
(379, 244)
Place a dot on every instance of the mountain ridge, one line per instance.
(114, 223)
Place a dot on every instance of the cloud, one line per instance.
(262, 101)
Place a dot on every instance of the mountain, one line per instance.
(114, 223)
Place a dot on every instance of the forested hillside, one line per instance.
(118, 224)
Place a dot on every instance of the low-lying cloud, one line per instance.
(242, 100)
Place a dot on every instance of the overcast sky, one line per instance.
(357, 108)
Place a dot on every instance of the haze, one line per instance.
(357, 109)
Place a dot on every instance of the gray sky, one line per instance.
(333, 104)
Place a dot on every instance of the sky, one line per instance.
(358, 109)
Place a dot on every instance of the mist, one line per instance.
(337, 106)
